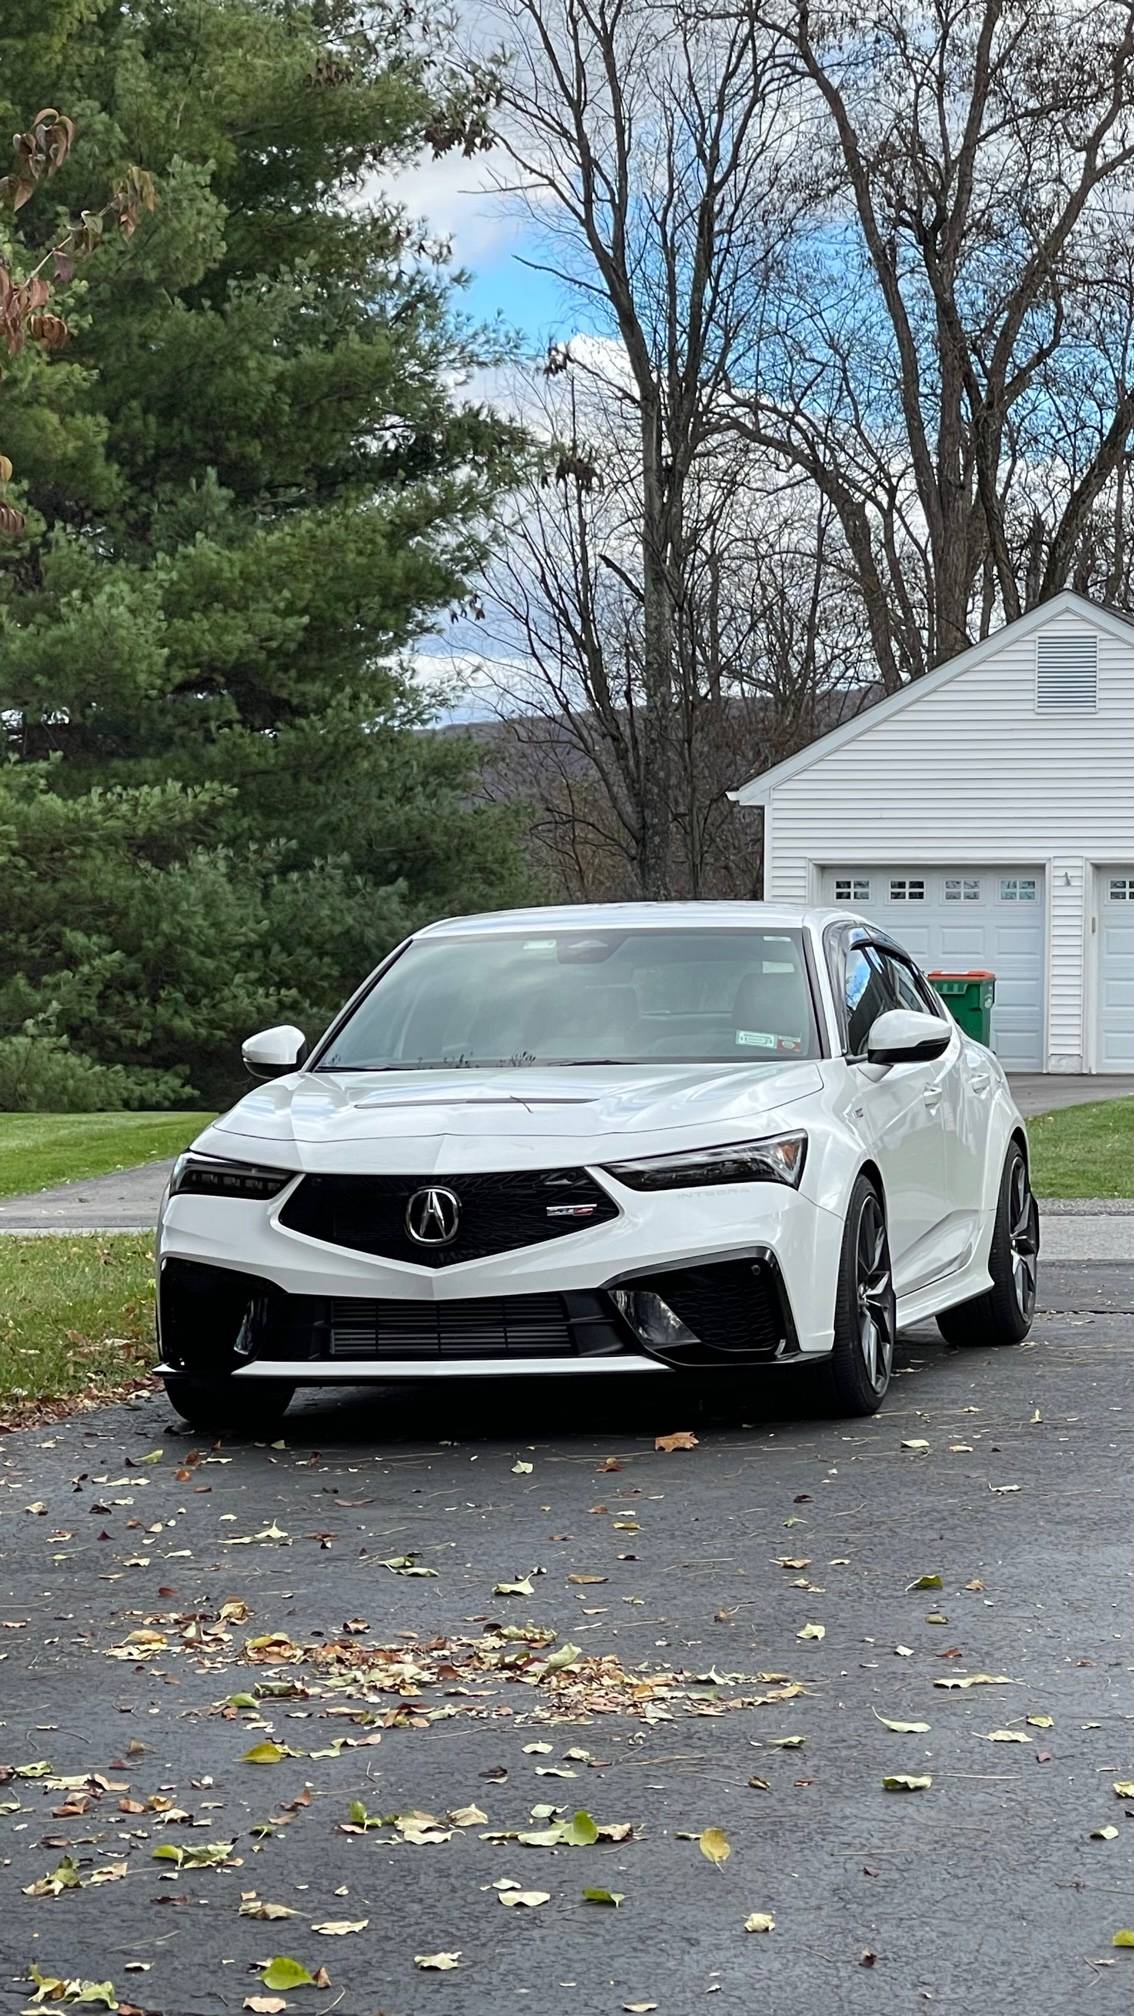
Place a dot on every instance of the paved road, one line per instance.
(982, 1895)
(125, 1202)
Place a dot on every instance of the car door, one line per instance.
(908, 1116)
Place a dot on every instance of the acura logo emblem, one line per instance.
(433, 1217)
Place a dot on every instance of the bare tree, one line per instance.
(943, 363)
(766, 653)
(645, 148)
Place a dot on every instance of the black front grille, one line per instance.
(497, 1212)
(489, 1326)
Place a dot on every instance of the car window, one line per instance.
(904, 985)
(693, 995)
(869, 992)
(912, 990)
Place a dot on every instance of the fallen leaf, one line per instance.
(1104, 1834)
(901, 1783)
(587, 1581)
(538, 1749)
(812, 1631)
(1124, 1787)
(1006, 1736)
(284, 1973)
(639, 2008)
(335, 1927)
(468, 1816)
(1003, 1490)
(683, 1439)
(925, 1582)
(528, 1898)
(902, 1728)
(760, 1921)
(1040, 1721)
(64, 1877)
(438, 1963)
(614, 1897)
(714, 1845)
(405, 1564)
(978, 1680)
(793, 1561)
(264, 2005)
(1123, 1938)
(521, 1588)
(579, 1832)
(259, 1907)
(266, 1753)
(916, 1443)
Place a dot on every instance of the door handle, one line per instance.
(980, 1083)
(932, 1097)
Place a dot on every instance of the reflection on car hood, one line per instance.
(421, 1121)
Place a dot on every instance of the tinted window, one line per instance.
(554, 997)
(869, 993)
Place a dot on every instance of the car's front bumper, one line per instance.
(749, 1268)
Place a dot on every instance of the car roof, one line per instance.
(637, 917)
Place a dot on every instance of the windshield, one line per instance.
(598, 997)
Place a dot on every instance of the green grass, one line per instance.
(40, 1149)
(76, 1318)
(1084, 1151)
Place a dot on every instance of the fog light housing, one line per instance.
(651, 1319)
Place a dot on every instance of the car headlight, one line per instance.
(778, 1159)
(213, 1176)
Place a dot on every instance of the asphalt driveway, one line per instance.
(743, 1616)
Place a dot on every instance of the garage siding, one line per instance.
(972, 773)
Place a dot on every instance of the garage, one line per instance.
(1116, 968)
(963, 918)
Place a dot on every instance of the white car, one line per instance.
(631, 1139)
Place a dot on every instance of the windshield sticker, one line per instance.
(761, 1039)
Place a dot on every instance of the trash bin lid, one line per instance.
(940, 974)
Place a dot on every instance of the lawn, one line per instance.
(76, 1317)
(40, 1149)
(1084, 1151)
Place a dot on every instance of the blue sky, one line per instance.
(490, 238)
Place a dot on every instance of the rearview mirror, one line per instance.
(274, 1052)
(901, 1036)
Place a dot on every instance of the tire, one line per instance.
(211, 1407)
(1003, 1314)
(856, 1377)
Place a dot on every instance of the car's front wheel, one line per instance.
(858, 1371)
(211, 1406)
(1003, 1314)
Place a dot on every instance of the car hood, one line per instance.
(425, 1121)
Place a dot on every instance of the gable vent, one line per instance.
(1067, 673)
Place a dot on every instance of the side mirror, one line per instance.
(903, 1037)
(274, 1052)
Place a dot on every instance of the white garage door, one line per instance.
(964, 918)
(1116, 969)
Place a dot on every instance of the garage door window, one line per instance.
(903, 889)
(1121, 889)
(1017, 889)
(852, 889)
(962, 889)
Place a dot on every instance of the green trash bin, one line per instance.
(969, 998)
